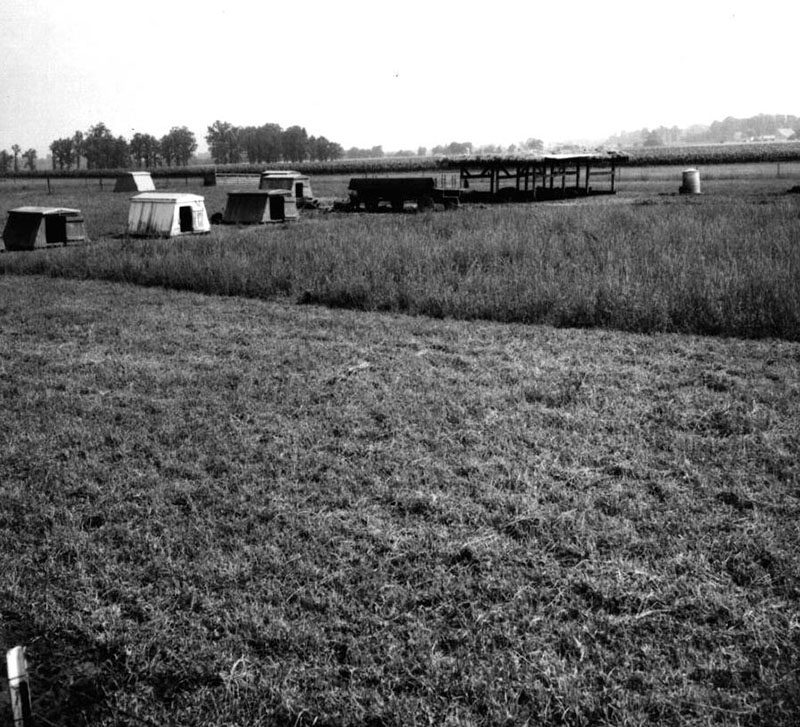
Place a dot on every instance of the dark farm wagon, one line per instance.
(371, 192)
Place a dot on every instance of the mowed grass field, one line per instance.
(240, 509)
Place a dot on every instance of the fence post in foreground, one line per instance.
(19, 688)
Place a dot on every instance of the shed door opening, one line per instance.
(55, 227)
(276, 210)
(186, 219)
(298, 190)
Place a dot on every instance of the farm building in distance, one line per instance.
(24, 229)
(255, 207)
(167, 214)
(135, 182)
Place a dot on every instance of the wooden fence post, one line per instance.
(19, 687)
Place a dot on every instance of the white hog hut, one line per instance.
(167, 214)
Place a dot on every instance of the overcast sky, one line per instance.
(401, 74)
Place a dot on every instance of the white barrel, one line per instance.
(691, 182)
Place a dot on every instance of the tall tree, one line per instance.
(77, 144)
(63, 154)
(103, 150)
(30, 159)
(178, 146)
(295, 144)
(145, 150)
(5, 161)
(16, 148)
(261, 143)
(223, 142)
(319, 148)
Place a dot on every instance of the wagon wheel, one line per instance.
(424, 204)
(371, 203)
(397, 205)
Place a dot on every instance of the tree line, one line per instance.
(231, 144)
(762, 127)
(102, 150)
(9, 162)
(98, 148)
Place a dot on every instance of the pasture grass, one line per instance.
(220, 511)
(722, 263)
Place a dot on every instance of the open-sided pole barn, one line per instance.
(556, 176)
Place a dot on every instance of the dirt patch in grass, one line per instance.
(227, 511)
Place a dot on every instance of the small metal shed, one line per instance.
(257, 207)
(167, 214)
(24, 229)
(135, 182)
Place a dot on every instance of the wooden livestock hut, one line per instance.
(298, 184)
(167, 214)
(135, 182)
(24, 229)
(255, 207)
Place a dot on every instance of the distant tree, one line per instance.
(262, 143)
(5, 161)
(63, 153)
(30, 159)
(454, 148)
(376, 152)
(320, 149)
(77, 145)
(103, 150)
(532, 145)
(178, 146)
(145, 150)
(295, 144)
(422, 152)
(223, 142)
(652, 139)
(16, 148)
